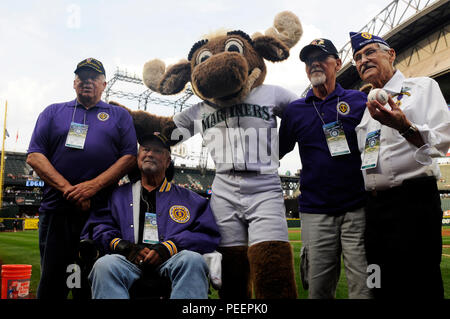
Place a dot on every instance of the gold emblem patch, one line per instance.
(343, 108)
(103, 116)
(318, 42)
(366, 35)
(179, 214)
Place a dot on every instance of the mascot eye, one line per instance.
(234, 45)
(203, 56)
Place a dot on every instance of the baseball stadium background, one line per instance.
(419, 32)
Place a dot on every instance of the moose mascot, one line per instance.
(237, 120)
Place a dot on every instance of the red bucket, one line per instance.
(16, 281)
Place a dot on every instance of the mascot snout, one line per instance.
(221, 75)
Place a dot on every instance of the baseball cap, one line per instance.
(91, 63)
(323, 44)
(360, 39)
(155, 136)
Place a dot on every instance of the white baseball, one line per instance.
(378, 94)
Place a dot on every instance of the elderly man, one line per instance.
(332, 189)
(79, 148)
(398, 142)
(152, 225)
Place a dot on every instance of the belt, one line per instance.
(237, 172)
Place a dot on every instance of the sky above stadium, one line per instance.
(42, 41)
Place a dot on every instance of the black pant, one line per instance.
(404, 237)
(59, 237)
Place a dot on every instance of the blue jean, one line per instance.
(113, 275)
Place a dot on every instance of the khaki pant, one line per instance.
(324, 239)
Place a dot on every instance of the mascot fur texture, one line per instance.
(224, 69)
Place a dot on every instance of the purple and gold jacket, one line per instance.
(184, 219)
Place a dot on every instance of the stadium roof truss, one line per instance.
(145, 97)
(401, 23)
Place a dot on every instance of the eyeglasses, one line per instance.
(368, 53)
(316, 58)
(84, 76)
(148, 149)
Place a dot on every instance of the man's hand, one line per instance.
(84, 205)
(147, 256)
(140, 255)
(394, 118)
(81, 192)
(153, 258)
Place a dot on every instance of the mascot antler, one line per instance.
(286, 28)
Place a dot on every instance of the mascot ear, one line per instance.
(167, 82)
(270, 48)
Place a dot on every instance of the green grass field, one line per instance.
(22, 248)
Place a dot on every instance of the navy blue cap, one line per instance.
(90, 63)
(360, 39)
(155, 136)
(323, 44)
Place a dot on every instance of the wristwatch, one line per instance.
(409, 132)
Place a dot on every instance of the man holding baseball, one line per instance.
(398, 142)
(332, 188)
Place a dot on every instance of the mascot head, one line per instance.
(223, 68)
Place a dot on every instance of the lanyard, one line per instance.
(147, 203)
(73, 114)
(337, 113)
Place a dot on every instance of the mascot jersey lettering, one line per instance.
(243, 110)
(243, 136)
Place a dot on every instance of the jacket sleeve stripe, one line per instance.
(114, 243)
(171, 247)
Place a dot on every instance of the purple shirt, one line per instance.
(110, 135)
(327, 184)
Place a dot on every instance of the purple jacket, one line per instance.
(184, 218)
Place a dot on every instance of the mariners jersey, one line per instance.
(240, 137)
(184, 219)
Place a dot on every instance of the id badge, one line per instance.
(77, 135)
(150, 235)
(335, 135)
(371, 150)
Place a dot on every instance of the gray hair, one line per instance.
(384, 47)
